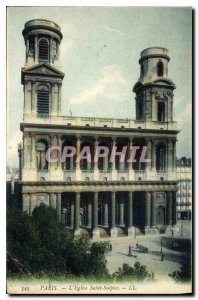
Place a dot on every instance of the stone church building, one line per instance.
(100, 198)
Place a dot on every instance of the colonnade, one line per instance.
(30, 141)
(116, 211)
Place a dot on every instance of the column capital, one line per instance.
(26, 135)
(113, 141)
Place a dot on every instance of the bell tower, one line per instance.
(41, 77)
(154, 89)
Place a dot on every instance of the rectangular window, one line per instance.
(161, 112)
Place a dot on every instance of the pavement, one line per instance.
(173, 256)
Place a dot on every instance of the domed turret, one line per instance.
(42, 39)
(154, 90)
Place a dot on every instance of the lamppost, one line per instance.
(161, 251)
(161, 245)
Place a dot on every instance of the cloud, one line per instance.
(66, 46)
(110, 30)
(185, 113)
(109, 84)
(69, 31)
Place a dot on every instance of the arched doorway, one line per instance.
(161, 215)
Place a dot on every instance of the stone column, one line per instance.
(106, 212)
(113, 206)
(34, 100)
(130, 164)
(96, 171)
(89, 213)
(59, 206)
(26, 203)
(113, 168)
(53, 108)
(121, 211)
(27, 150)
(72, 214)
(52, 200)
(36, 49)
(113, 215)
(53, 142)
(50, 51)
(131, 228)
(89, 163)
(96, 232)
(168, 166)
(59, 99)
(32, 203)
(174, 155)
(153, 209)
(153, 160)
(170, 208)
(78, 171)
(59, 144)
(149, 155)
(27, 49)
(148, 208)
(77, 211)
(33, 152)
(130, 210)
(27, 97)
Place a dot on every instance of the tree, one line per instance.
(136, 273)
(41, 244)
(184, 275)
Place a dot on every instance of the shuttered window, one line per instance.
(43, 101)
(43, 50)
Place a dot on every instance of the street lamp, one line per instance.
(162, 255)
(161, 245)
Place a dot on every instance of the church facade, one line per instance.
(100, 198)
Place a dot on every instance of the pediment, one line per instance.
(42, 69)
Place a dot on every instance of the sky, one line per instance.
(99, 55)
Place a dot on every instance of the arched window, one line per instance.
(43, 101)
(41, 149)
(43, 50)
(160, 68)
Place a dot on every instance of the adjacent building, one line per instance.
(184, 193)
(13, 194)
(98, 198)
